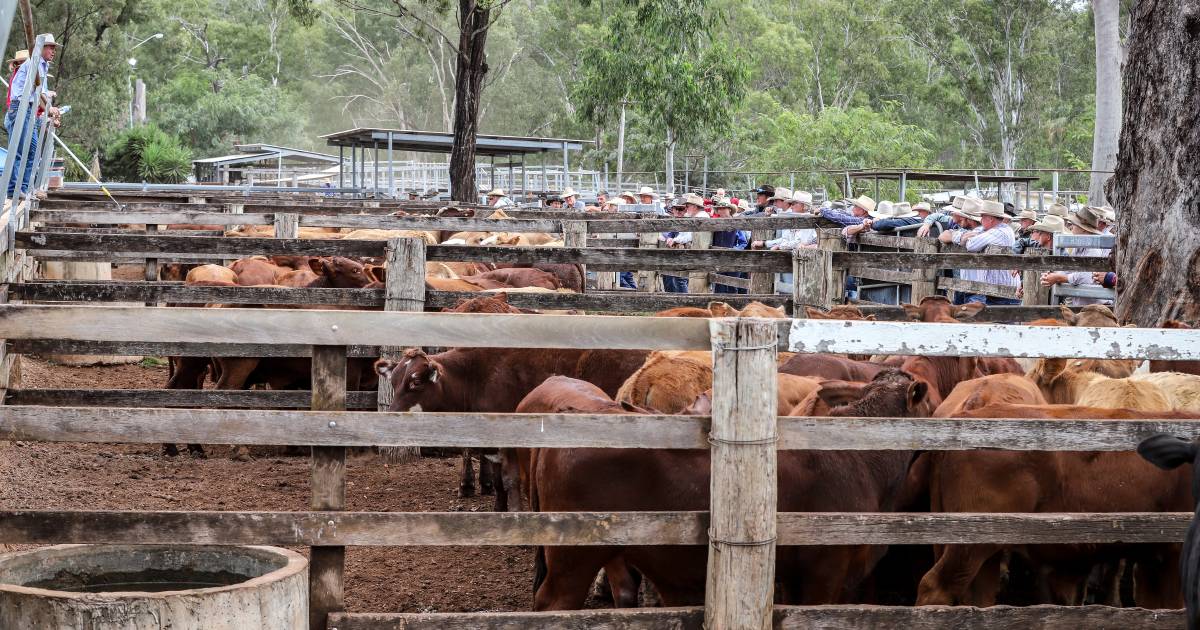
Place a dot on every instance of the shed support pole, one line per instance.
(341, 167)
(391, 168)
(740, 589)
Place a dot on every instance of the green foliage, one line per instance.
(146, 154)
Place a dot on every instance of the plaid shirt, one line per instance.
(1001, 235)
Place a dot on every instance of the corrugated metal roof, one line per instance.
(442, 142)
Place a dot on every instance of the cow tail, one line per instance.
(539, 554)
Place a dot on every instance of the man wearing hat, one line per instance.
(728, 239)
(1025, 221)
(1085, 221)
(498, 199)
(570, 199)
(887, 217)
(801, 203)
(554, 202)
(1108, 218)
(859, 211)
(762, 197)
(23, 165)
(1041, 234)
(993, 229)
(629, 196)
(937, 223)
(779, 202)
(693, 207)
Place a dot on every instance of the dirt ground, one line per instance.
(378, 579)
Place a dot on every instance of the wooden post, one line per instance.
(762, 282)
(813, 278)
(287, 225)
(1032, 291)
(606, 280)
(927, 286)
(151, 272)
(575, 236)
(404, 290)
(698, 280)
(192, 199)
(830, 240)
(741, 553)
(327, 564)
(646, 280)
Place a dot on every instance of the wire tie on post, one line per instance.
(717, 346)
(712, 439)
(736, 543)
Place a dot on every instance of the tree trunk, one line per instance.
(468, 86)
(1108, 97)
(670, 163)
(1155, 189)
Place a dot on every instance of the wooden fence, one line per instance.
(742, 509)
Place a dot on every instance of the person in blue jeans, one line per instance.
(23, 164)
(729, 239)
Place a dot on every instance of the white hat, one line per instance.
(629, 194)
(864, 202)
(923, 206)
(48, 40)
(882, 210)
(646, 190)
(970, 208)
(903, 210)
(615, 201)
(568, 192)
(498, 192)
(1051, 223)
(781, 193)
(801, 196)
(991, 208)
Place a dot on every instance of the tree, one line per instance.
(1156, 188)
(663, 56)
(1108, 97)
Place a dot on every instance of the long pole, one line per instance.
(621, 148)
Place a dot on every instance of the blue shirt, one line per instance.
(889, 225)
(841, 218)
(19, 79)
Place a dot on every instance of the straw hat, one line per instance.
(569, 192)
(904, 210)
(882, 210)
(1051, 223)
(646, 190)
(1027, 214)
(781, 193)
(615, 201)
(628, 194)
(923, 207)
(970, 208)
(991, 208)
(693, 199)
(1057, 210)
(21, 56)
(801, 196)
(864, 202)
(1108, 214)
(498, 192)
(1086, 218)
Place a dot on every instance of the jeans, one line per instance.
(22, 165)
(672, 284)
(721, 288)
(989, 300)
(627, 281)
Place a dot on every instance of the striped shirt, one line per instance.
(1001, 235)
(1084, 278)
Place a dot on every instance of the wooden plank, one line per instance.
(352, 428)
(199, 398)
(604, 619)
(163, 218)
(404, 291)
(907, 260)
(830, 241)
(779, 222)
(698, 280)
(314, 528)
(924, 281)
(168, 348)
(125, 257)
(287, 225)
(619, 259)
(977, 288)
(457, 224)
(741, 558)
(211, 245)
(180, 293)
(815, 282)
(230, 325)
(762, 282)
(992, 340)
(885, 275)
(327, 564)
(1040, 617)
(887, 240)
(729, 281)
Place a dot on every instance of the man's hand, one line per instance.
(757, 244)
(1052, 278)
(670, 242)
(946, 237)
(1098, 277)
(923, 231)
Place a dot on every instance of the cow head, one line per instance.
(1094, 316)
(893, 393)
(416, 381)
(936, 308)
(838, 312)
(341, 273)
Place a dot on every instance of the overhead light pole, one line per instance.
(133, 102)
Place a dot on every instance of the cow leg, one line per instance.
(510, 482)
(624, 582)
(1156, 580)
(487, 472)
(951, 577)
(170, 450)
(466, 485)
(1104, 583)
(569, 575)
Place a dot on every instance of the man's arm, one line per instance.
(980, 240)
(839, 217)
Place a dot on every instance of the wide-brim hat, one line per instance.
(646, 190)
(864, 202)
(923, 207)
(989, 208)
(969, 209)
(497, 192)
(615, 201)
(48, 40)
(693, 199)
(781, 193)
(569, 192)
(1051, 223)
(21, 55)
(903, 210)
(801, 196)
(1086, 218)
(1027, 214)
(1108, 213)
(882, 210)
(1057, 209)
(629, 194)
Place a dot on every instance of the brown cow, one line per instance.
(809, 481)
(494, 380)
(570, 275)
(517, 278)
(256, 270)
(210, 273)
(1039, 481)
(684, 311)
(791, 393)
(1187, 367)
(989, 390)
(831, 366)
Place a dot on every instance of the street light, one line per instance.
(133, 66)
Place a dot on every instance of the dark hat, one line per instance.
(765, 189)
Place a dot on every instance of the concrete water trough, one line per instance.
(153, 587)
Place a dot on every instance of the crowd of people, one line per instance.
(967, 221)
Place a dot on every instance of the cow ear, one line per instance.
(501, 296)
(913, 311)
(1068, 315)
(869, 318)
(813, 313)
(432, 377)
(837, 393)
(917, 390)
(721, 309)
(317, 265)
(968, 311)
(385, 367)
(377, 273)
(1167, 451)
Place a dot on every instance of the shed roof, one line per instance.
(251, 153)
(441, 142)
(936, 176)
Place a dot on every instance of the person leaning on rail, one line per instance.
(1085, 221)
(39, 104)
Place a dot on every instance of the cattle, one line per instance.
(488, 303)
(570, 276)
(936, 308)
(753, 309)
(430, 238)
(1170, 453)
(494, 380)
(518, 278)
(439, 270)
(1039, 481)
(684, 311)
(256, 270)
(211, 273)
(839, 311)
(831, 366)
(809, 481)
(791, 393)
(1073, 381)
(989, 390)
(670, 381)
(468, 284)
